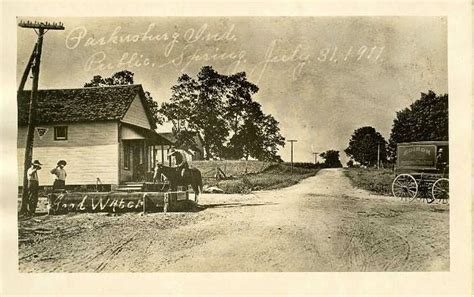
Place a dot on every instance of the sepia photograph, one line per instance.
(233, 144)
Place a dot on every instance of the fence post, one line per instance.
(166, 203)
(144, 202)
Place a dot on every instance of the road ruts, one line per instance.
(320, 224)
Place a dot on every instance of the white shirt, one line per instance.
(60, 173)
(33, 173)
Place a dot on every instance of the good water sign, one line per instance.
(94, 202)
(115, 202)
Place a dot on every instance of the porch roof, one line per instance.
(130, 132)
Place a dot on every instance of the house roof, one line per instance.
(81, 105)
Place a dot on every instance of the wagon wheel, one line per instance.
(440, 190)
(404, 186)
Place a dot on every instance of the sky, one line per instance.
(320, 77)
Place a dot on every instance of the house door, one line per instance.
(137, 161)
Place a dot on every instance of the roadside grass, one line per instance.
(378, 181)
(275, 176)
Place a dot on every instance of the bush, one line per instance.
(234, 186)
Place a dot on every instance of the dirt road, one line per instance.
(320, 224)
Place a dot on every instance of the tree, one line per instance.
(269, 139)
(254, 134)
(331, 159)
(197, 106)
(125, 77)
(220, 108)
(425, 119)
(364, 146)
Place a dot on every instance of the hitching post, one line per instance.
(35, 67)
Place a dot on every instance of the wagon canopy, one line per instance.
(437, 143)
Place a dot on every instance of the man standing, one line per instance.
(181, 162)
(33, 186)
(60, 173)
(442, 160)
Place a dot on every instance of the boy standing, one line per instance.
(60, 173)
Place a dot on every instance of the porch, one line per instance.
(138, 149)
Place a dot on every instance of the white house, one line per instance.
(104, 133)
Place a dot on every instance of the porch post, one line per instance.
(162, 154)
(169, 147)
(120, 149)
(145, 155)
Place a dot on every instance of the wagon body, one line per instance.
(422, 167)
(420, 157)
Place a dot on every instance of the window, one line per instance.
(60, 133)
(126, 155)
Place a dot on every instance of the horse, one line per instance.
(192, 176)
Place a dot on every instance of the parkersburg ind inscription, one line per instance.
(180, 49)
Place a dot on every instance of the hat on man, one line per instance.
(62, 162)
(37, 163)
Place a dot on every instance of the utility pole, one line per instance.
(291, 141)
(315, 157)
(27, 71)
(34, 66)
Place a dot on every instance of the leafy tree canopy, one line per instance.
(331, 159)
(221, 109)
(364, 146)
(425, 119)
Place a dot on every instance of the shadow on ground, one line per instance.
(229, 205)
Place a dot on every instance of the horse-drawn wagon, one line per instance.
(422, 170)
